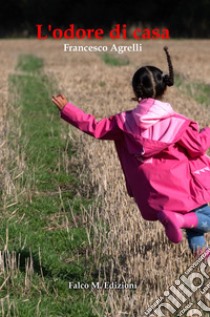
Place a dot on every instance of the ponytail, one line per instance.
(169, 79)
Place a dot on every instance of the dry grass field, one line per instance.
(134, 250)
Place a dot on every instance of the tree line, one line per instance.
(184, 19)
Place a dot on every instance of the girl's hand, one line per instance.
(60, 101)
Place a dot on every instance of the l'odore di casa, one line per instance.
(117, 32)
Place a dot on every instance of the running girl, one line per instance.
(162, 154)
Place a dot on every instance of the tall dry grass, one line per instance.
(136, 250)
(11, 169)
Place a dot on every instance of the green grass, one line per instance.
(113, 60)
(197, 90)
(42, 229)
(29, 63)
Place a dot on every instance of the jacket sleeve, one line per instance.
(106, 129)
(196, 143)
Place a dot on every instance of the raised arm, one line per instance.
(194, 141)
(106, 129)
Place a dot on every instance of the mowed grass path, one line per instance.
(43, 249)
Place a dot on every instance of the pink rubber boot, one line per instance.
(174, 222)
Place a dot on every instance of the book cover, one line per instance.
(73, 241)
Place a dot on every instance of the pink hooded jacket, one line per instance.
(162, 154)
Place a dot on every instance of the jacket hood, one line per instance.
(150, 111)
(151, 127)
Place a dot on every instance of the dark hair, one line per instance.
(151, 82)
